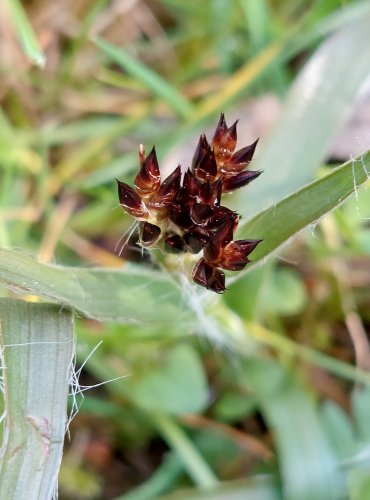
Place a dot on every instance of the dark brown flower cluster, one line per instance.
(187, 216)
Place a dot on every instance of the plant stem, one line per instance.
(197, 468)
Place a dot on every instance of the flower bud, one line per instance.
(209, 276)
(240, 159)
(224, 140)
(202, 149)
(195, 241)
(131, 201)
(239, 180)
(234, 255)
(175, 243)
(149, 234)
(167, 191)
(148, 179)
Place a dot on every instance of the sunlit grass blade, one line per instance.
(158, 85)
(306, 206)
(26, 33)
(37, 348)
(134, 294)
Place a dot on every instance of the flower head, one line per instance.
(188, 216)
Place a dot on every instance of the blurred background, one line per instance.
(83, 83)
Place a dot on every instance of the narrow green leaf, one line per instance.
(277, 224)
(197, 468)
(37, 349)
(158, 85)
(317, 106)
(133, 294)
(293, 349)
(25, 33)
(307, 463)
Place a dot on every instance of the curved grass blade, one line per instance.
(135, 294)
(277, 224)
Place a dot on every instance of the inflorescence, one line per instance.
(188, 216)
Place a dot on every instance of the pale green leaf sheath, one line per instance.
(37, 350)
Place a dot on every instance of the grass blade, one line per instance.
(135, 294)
(280, 222)
(158, 85)
(37, 349)
(25, 33)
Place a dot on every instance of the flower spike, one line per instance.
(188, 216)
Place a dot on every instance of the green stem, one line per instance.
(291, 348)
(196, 466)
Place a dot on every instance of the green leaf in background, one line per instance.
(339, 430)
(177, 386)
(284, 293)
(308, 465)
(318, 104)
(148, 77)
(359, 484)
(255, 488)
(350, 439)
(37, 347)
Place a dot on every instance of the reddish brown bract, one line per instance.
(188, 217)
